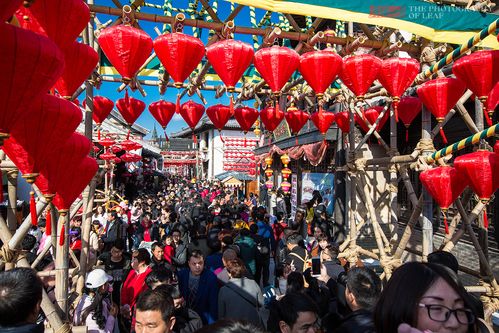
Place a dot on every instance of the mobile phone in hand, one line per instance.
(316, 266)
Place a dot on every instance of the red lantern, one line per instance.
(130, 108)
(219, 115)
(359, 72)
(8, 8)
(192, 113)
(116, 160)
(62, 20)
(102, 108)
(80, 60)
(107, 142)
(409, 107)
(180, 54)
(246, 117)
(480, 72)
(320, 68)
(116, 149)
(440, 96)
(276, 64)
(30, 64)
(28, 21)
(107, 156)
(396, 75)
(129, 157)
(130, 145)
(162, 111)
(493, 99)
(343, 121)
(444, 184)
(43, 185)
(373, 113)
(126, 47)
(296, 119)
(271, 117)
(322, 120)
(230, 58)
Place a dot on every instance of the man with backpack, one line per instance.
(297, 255)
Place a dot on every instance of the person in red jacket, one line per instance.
(135, 282)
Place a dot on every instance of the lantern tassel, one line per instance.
(446, 225)
(177, 104)
(98, 133)
(406, 134)
(48, 222)
(396, 110)
(166, 136)
(1, 186)
(245, 139)
(128, 134)
(485, 219)
(221, 137)
(442, 134)
(194, 138)
(296, 140)
(32, 209)
(61, 236)
(486, 114)
(231, 105)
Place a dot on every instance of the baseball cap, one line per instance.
(97, 278)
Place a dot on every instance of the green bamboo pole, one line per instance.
(491, 131)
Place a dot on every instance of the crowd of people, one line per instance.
(187, 257)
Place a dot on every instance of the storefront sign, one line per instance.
(324, 183)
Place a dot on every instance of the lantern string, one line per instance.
(442, 134)
(486, 114)
(221, 137)
(48, 222)
(446, 225)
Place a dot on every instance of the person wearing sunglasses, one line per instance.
(427, 297)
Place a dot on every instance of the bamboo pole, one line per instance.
(406, 236)
(427, 199)
(12, 191)
(42, 254)
(62, 264)
(352, 207)
(394, 207)
(23, 229)
(372, 129)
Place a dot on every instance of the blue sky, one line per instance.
(109, 89)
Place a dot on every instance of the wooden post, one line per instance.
(62, 264)
(427, 199)
(352, 203)
(12, 190)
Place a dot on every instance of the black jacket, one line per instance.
(186, 321)
(29, 328)
(357, 321)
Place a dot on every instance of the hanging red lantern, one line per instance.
(8, 8)
(62, 20)
(43, 185)
(180, 54)
(246, 117)
(28, 21)
(493, 99)
(396, 75)
(373, 113)
(320, 68)
(130, 108)
(130, 145)
(271, 117)
(440, 96)
(480, 72)
(129, 157)
(30, 64)
(343, 121)
(296, 119)
(108, 156)
(219, 115)
(276, 64)
(230, 58)
(163, 112)
(116, 149)
(126, 47)
(102, 108)
(359, 72)
(322, 120)
(192, 113)
(106, 142)
(444, 184)
(116, 160)
(80, 60)
(409, 107)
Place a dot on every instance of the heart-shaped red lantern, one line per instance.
(359, 72)
(322, 120)
(192, 113)
(276, 64)
(80, 60)
(481, 168)
(102, 108)
(320, 68)
(126, 47)
(373, 113)
(246, 117)
(180, 54)
(219, 115)
(162, 111)
(62, 20)
(396, 75)
(444, 184)
(30, 64)
(230, 58)
(271, 117)
(480, 72)
(8, 8)
(343, 121)
(409, 107)
(296, 119)
(130, 108)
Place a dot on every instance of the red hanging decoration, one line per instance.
(162, 111)
(80, 60)
(296, 119)
(192, 113)
(230, 58)
(322, 120)
(180, 54)
(320, 68)
(409, 107)
(61, 20)
(396, 75)
(493, 100)
(276, 64)
(130, 108)
(359, 72)
(440, 96)
(371, 115)
(444, 184)
(30, 64)
(48, 222)
(246, 117)
(32, 209)
(271, 117)
(126, 47)
(480, 72)
(108, 156)
(129, 157)
(219, 115)
(343, 121)
(8, 8)
(62, 235)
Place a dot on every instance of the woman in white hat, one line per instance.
(95, 309)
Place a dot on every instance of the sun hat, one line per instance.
(97, 278)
